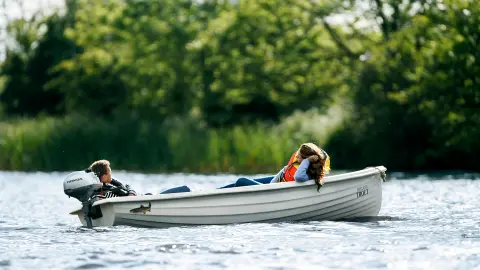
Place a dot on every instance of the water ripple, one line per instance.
(90, 266)
(425, 223)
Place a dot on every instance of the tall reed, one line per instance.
(176, 145)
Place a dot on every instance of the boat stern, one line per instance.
(102, 215)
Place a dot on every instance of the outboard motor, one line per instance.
(82, 185)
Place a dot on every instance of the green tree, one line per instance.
(262, 60)
(229, 63)
(416, 102)
(39, 45)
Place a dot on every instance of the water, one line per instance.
(426, 222)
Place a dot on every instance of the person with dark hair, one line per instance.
(307, 163)
(111, 187)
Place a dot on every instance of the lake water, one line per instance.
(427, 222)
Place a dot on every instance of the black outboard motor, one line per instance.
(83, 185)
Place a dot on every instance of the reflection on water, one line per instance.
(424, 223)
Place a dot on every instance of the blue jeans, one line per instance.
(176, 190)
(241, 182)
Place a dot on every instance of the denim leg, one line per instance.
(264, 180)
(246, 182)
(228, 186)
(249, 182)
(176, 190)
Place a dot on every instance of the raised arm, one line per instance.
(301, 173)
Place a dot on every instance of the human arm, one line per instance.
(301, 173)
(276, 179)
(116, 183)
(129, 192)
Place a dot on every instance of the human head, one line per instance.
(318, 169)
(102, 170)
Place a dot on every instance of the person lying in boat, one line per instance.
(111, 187)
(309, 162)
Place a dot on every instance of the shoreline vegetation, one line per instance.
(236, 86)
(175, 145)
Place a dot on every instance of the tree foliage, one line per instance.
(409, 68)
(417, 99)
(39, 45)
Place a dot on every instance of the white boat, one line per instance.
(343, 196)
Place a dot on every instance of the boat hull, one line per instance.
(343, 196)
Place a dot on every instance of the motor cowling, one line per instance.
(81, 185)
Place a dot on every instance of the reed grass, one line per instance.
(176, 145)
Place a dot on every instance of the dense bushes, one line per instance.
(233, 73)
